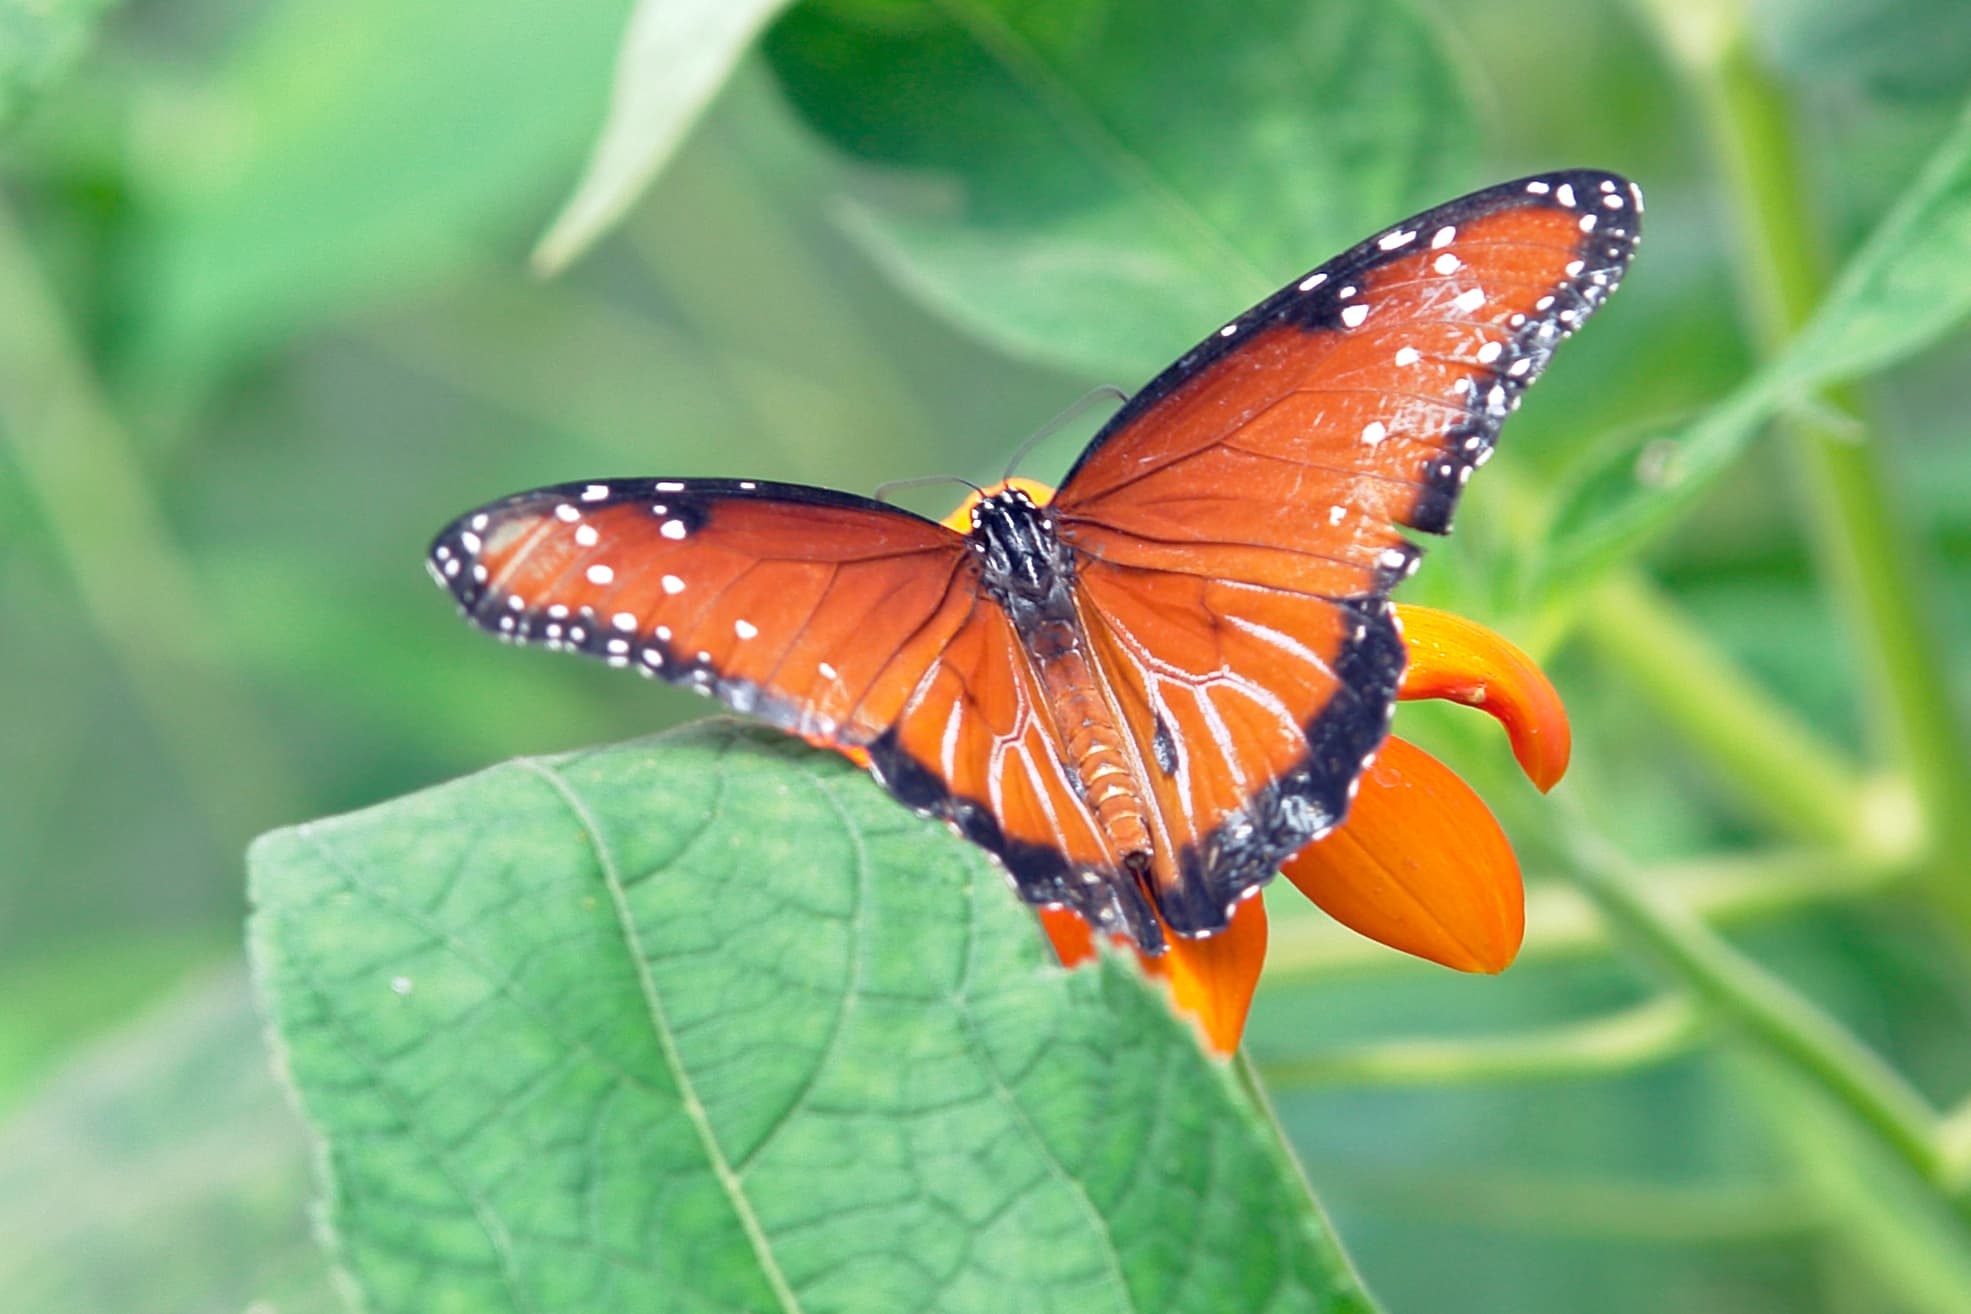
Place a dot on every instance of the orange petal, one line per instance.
(961, 517)
(1419, 865)
(1211, 979)
(1072, 940)
(1458, 659)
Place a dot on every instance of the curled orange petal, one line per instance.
(1420, 865)
(1458, 659)
(1211, 980)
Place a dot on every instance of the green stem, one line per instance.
(1955, 1134)
(1874, 564)
(1763, 750)
(1561, 923)
(1904, 1240)
(1648, 1033)
(1763, 1008)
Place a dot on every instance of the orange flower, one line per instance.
(1419, 865)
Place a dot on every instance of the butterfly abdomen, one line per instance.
(1095, 748)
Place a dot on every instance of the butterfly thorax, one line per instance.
(1029, 572)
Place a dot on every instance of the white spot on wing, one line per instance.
(587, 536)
(600, 574)
(1447, 264)
(1352, 316)
(1469, 300)
(595, 492)
(745, 629)
(672, 584)
(673, 530)
(1408, 355)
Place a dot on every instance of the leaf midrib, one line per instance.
(660, 1026)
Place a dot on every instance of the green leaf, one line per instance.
(708, 1022)
(40, 41)
(1899, 49)
(675, 56)
(1092, 183)
(356, 151)
(162, 1170)
(1908, 286)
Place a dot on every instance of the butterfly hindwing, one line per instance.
(978, 745)
(1253, 710)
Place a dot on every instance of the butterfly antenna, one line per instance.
(883, 491)
(1053, 426)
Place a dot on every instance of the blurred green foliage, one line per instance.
(266, 321)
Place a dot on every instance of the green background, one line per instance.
(267, 320)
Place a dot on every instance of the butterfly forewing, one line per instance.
(819, 612)
(1359, 398)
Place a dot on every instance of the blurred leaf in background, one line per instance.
(39, 44)
(266, 321)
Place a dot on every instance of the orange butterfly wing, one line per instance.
(818, 612)
(1238, 524)
(839, 618)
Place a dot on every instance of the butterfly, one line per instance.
(1145, 695)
